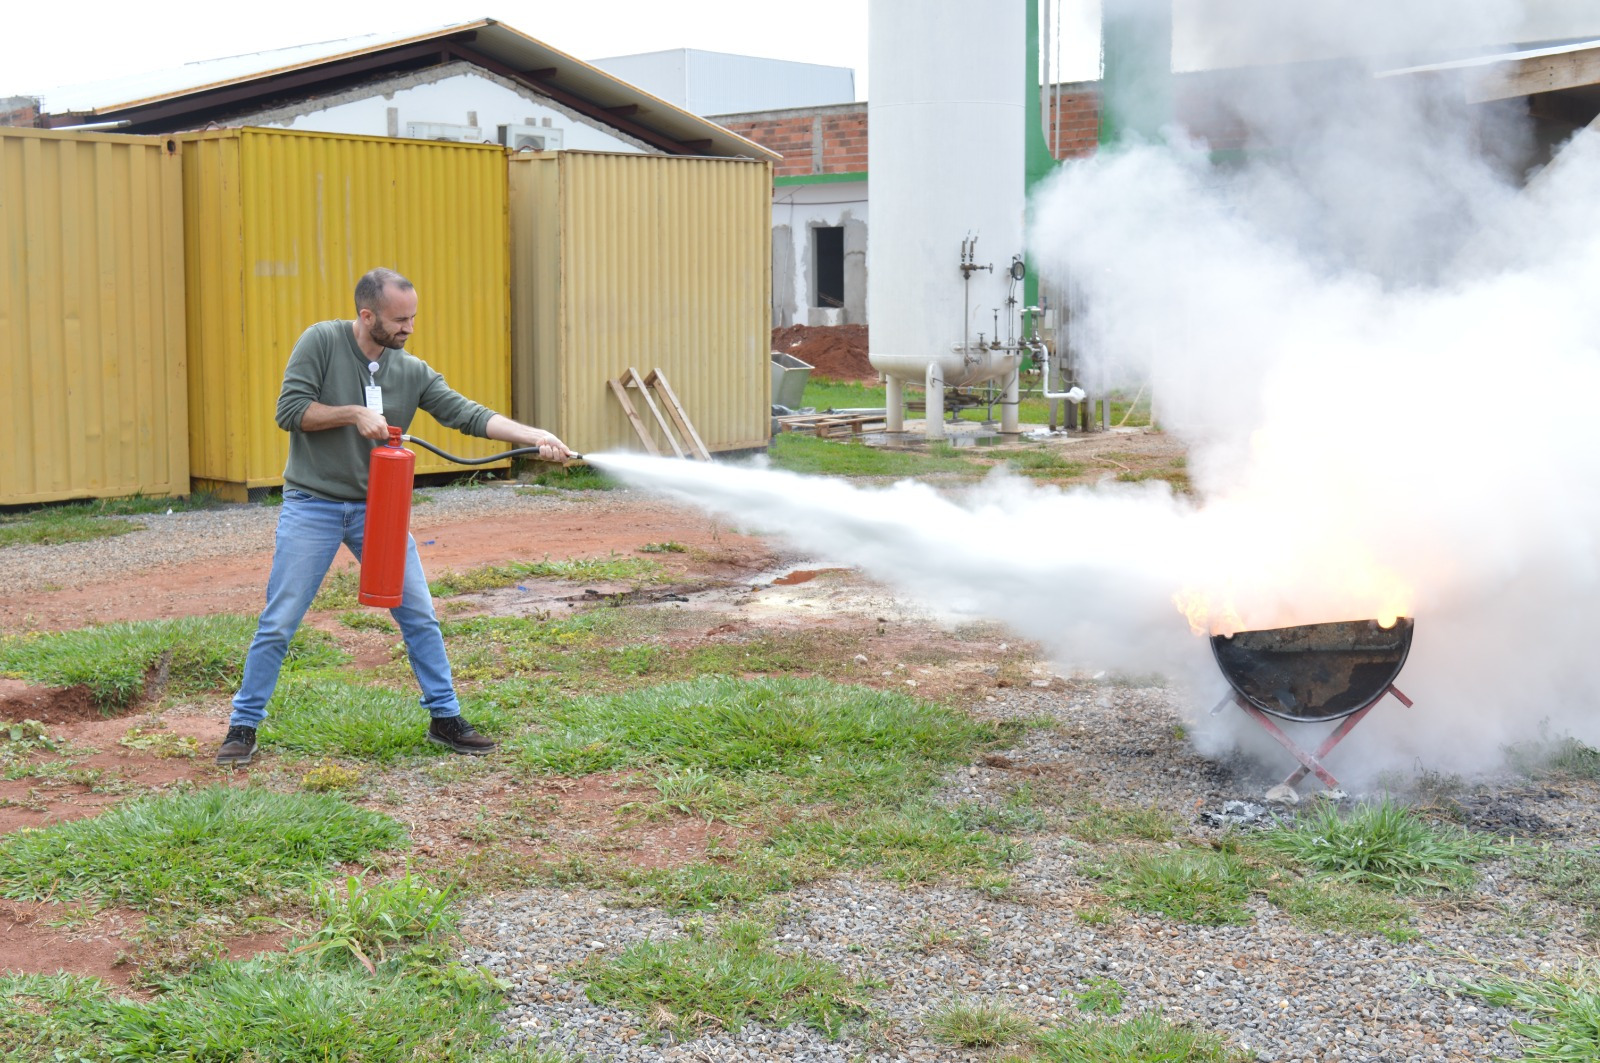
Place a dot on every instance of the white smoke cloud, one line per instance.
(1379, 349)
(1380, 352)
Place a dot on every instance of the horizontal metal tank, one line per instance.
(946, 158)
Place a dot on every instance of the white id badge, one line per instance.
(374, 399)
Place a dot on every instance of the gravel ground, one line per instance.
(1280, 991)
(202, 535)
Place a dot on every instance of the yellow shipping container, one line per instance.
(279, 226)
(92, 391)
(649, 261)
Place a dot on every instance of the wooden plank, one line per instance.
(1542, 73)
(675, 410)
(666, 429)
(633, 416)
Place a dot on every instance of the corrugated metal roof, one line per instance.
(495, 45)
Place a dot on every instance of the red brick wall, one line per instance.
(795, 136)
(18, 110)
(1072, 130)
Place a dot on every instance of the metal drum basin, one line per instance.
(1314, 671)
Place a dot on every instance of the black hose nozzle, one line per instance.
(425, 445)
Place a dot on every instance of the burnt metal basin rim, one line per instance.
(1314, 671)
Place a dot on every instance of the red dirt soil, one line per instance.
(619, 525)
(834, 352)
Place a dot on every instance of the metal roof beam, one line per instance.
(257, 88)
(578, 103)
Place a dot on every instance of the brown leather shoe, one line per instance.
(238, 746)
(458, 736)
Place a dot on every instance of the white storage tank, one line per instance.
(945, 156)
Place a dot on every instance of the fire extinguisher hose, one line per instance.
(424, 444)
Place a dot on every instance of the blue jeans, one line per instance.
(309, 533)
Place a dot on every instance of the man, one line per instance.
(346, 382)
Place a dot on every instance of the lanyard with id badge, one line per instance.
(374, 392)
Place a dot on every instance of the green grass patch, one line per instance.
(1146, 1038)
(910, 843)
(1203, 887)
(332, 716)
(668, 547)
(1044, 463)
(613, 569)
(1384, 845)
(824, 394)
(1321, 904)
(1092, 821)
(824, 741)
(539, 477)
(368, 620)
(76, 522)
(194, 655)
(211, 847)
(339, 589)
(1564, 1010)
(808, 454)
(973, 1024)
(722, 980)
(273, 1009)
(1554, 755)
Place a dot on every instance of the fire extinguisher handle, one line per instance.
(424, 444)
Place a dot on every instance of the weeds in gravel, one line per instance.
(1091, 821)
(1147, 1038)
(1571, 876)
(722, 980)
(1560, 755)
(1565, 1011)
(1384, 845)
(613, 569)
(1099, 996)
(973, 1024)
(1197, 887)
(214, 847)
(369, 921)
(1326, 905)
(191, 655)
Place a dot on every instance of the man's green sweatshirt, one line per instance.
(326, 366)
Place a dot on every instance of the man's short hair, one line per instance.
(369, 289)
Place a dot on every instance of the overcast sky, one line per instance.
(95, 40)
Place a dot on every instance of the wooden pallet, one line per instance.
(675, 425)
(830, 425)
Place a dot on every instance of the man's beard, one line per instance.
(385, 339)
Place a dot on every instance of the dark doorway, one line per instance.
(828, 258)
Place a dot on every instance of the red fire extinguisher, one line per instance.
(383, 543)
